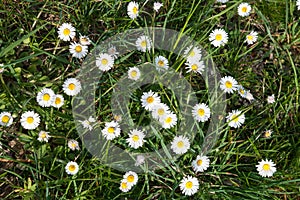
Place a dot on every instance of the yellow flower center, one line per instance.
(71, 86)
(235, 118)
(180, 144)
(130, 178)
(66, 31)
(192, 54)
(250, 37)
(135, 138)
(73, 145)
(111, 129)
(244, 9)
(199, 162)
(266, 167)
(268, 133)
(161, 63)
(57, 100)
(43, 135)
(144, 43)
(104, 61)
(78, 49)
(161, 111)
(150, 100)
(189, 185)
(228, 84)
(242, 91)
(5, 119)
(124, 185)
(219, 37)
(133, 73)
(29, 120)
(194, 67)
(135, 10)
(46, 97)
(201, 112)
(168, 120)
(72, 168)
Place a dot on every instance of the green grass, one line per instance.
(35, 58)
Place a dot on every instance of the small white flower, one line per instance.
(218, 37)
(192, 54)
(235, 118)
(244, 9)
(134, 73)
(71, 86)
(271, 99)
(6, 119)
(161, 63)
(241, 90)
(66, 32)
(201, 163)
(88, 123)
(143, 43)
(84, 40)
(189, 185)
(249, 96)
(160, 110)
(169, 120)
(139, 160)
(45, 97)
(111, 130)
(73, 145)
(268, 133)
(112, 51)
(266, 168)
(58, 101)
(77, 50)
(150, 100)
(72, 168)
(43, 136)
(104, 62)
(195, 66)
(180, 144)
(30, 120)
(228, 84)
(131, 178)
(124, 186)
(201, 112)
(136, 138)
(133, 9)
(252, 37)
(157, 6)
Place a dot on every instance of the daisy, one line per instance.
(249, 96)
(30, 120)
(71, 86)
(150, 100)
(73, 145)
(88, 123)
(266, 168)
(189, 185)
(124, 186)
(228, 84)
(222, 1)
(192, 54)
(118, 118)
(218, 37)
(5, 119)
(104, 62)
(1, 68)
(271, 99)
(45, 97)
(131, 178)
(58, 101)
(169, 120)
(72, 168)
(43, 136)
(111, 130)
(84, 40)
(200, 164)
(201, 112)
(157, 6)
(139, 160)
(195, 66)
(298, 4)
(66, 32)
(134, 73)
(136, 138)
(161, 63)
(112, 51)
(242, 91)
(160, 110)
(143, 43)
(235, 118)
(133, 9)
(244, 9)
(252, 37)
(77, 50)
(268, 133)
(180, 144)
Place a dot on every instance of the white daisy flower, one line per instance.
(201, 163)
(84, 40)
(252, 37)
(228, 84)
(249, 96)
(136, 138)
(6, 119)
(192, 54)
(45, 97)
(266, 168)
(71, 86)
(298, 4)
(134, 73)
(160, 110)
(117, 118)
(157, 6)
(133, 9)
(88, 123)
(222, 1)
(58, 101)
(131, 178)
(169, 120)
(66, 32)
(244, 9)
(30, 120)
(195, 66)
(201, 112)
(218, 37)
(180, 144)
(104, 62)
(77, 50)
(124, 186)
(235, 118)
(189, 185)
(43, 136)
(150, 100)
(73, 145)
(112, 51)
(271, 99)
(72, 168)
(1, 68)
(139, 160)
(241, 90)
(161, 63)
(143, 43)
(111, 130)
(268, 133)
